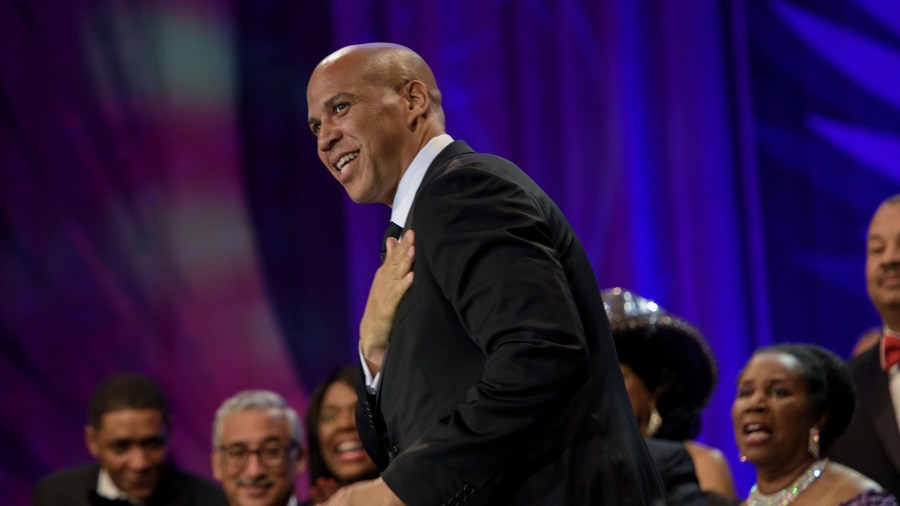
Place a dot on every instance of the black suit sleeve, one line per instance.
(493, 250)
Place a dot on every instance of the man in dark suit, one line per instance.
(498, 382)
(127, 433)
(871, 444)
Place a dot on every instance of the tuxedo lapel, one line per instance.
(875, 400)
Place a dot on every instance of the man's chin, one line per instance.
(140, 493)
(259, 497)
(889, 306)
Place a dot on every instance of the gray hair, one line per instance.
(250, 400)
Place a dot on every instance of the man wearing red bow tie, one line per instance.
(871, 444)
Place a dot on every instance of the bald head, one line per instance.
(390, 65)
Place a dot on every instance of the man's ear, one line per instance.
(215, 462)
(90, 440)
(417, 102)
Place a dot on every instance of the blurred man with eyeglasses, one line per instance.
(256, 449)
(128, 434)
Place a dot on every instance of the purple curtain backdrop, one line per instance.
(163, 209)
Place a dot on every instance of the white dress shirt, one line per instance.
(107, 489)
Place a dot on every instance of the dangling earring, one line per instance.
(812, 445)
(654, 423)
(743, 458)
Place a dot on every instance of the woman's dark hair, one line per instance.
(317, 467)
(680, 402)
(829, 386)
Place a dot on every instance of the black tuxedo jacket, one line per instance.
(501, 383)
(76, 487)
(871, 444)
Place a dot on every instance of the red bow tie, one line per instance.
(890, 351)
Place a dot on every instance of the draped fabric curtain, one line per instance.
(162, 208)
(127, 240)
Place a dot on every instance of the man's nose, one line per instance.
(892, 255)
(328, 136)
(140, 459)
(254, 466)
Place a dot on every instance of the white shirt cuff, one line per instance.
(371, 383)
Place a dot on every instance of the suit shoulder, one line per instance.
(67, 486)
(865, 363)
(84, 473)
(185, 488)
(477, 173)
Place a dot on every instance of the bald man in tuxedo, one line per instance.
(498, 381)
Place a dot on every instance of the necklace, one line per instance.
(788, 494)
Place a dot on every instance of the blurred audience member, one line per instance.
(792, 401)
(871, 444)
(336, 455)
(670, 374)
(128, 433)
(256, 449)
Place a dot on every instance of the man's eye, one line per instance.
(272, 452)
(236, 452)
(341, 106)
(744, 392)
(315, 128)
(119, 447)
(154, 443)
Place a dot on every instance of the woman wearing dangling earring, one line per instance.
(670, 374)
(792, 401)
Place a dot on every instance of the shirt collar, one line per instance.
(412, 178)
(107, 489)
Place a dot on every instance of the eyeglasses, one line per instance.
(269, 454)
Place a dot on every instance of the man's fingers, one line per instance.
(409, 239)
(390, 245)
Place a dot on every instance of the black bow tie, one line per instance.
(393, 230)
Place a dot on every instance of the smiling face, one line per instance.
(772, 411)
(883, 263)
(361, 117)
(264, 474)
(131, 446)
(339, 442)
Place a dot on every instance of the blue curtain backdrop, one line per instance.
(162, 208)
